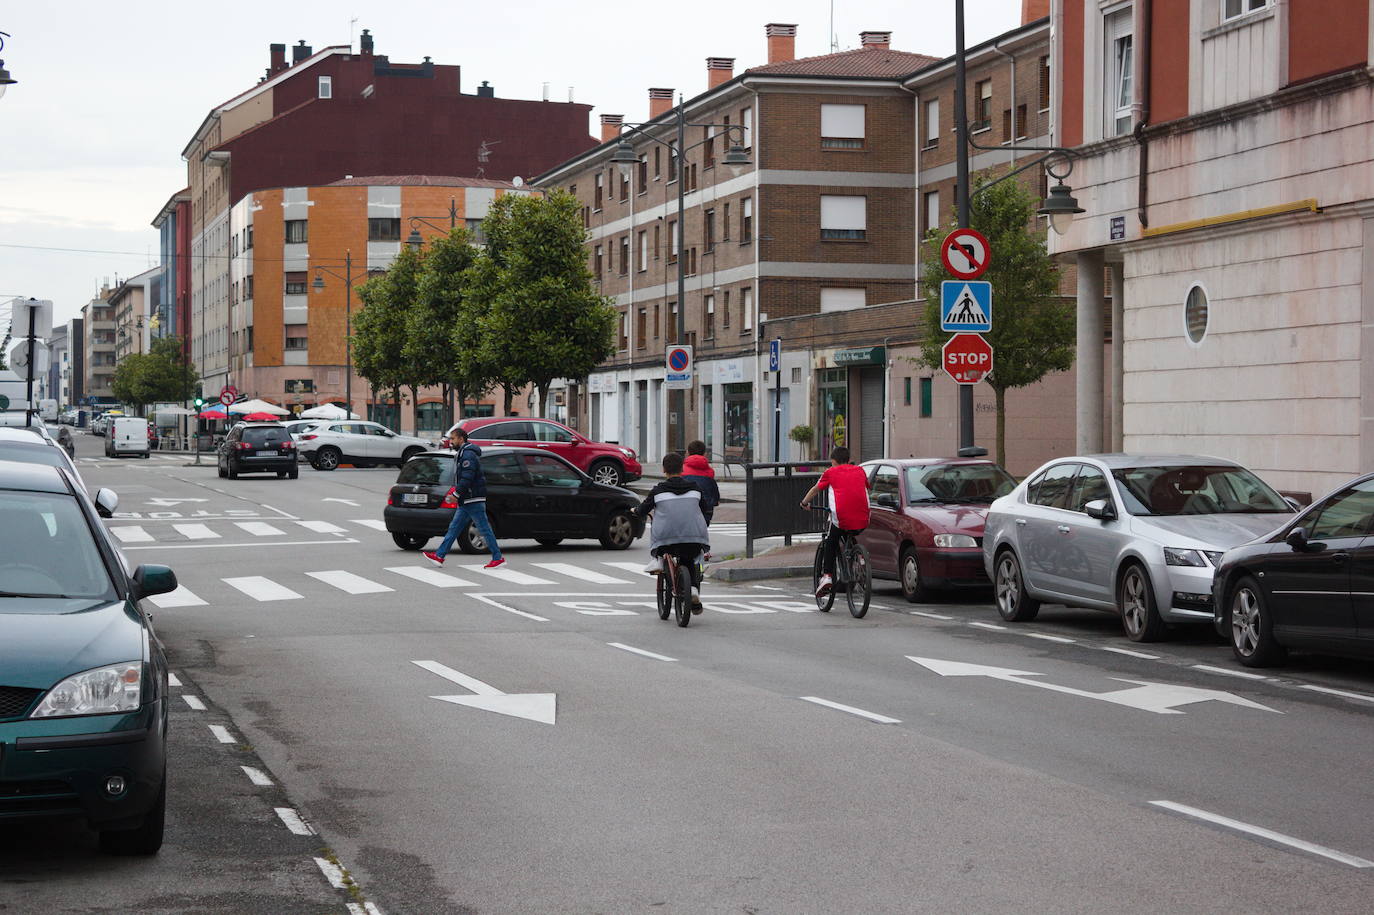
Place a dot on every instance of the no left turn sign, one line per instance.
(965, 253)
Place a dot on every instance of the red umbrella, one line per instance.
(261, 417)
(211, 414)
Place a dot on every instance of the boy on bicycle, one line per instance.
(679, 522)
(846, 486)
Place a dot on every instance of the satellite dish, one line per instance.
(518, 181)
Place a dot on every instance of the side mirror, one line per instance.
(886, 500)
(1101, 509)
(106, 501)
(153, 579)
(1297, 539)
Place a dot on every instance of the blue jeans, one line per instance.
(477, 513)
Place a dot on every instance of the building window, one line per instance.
(475, 233)
(843, 299)
(932, 210)
(691, 255)
(641, 328)
(1006, 125)
(248, 239)
(658, 239)
(643, 174)
(656, 316)
(982, 105)
(596, 262)
(326, 87)
(586, 217)
(1120, 72)
(248, 287)
(297, 231)
(746, 119)
(709, 229)
(842, 126)
(927, 396)
(643, 251)
(596, 197)
(906, 391)
(658, 162)
(624, 255)
(297, 343)
(708, 147)
(1234, 9)
(746, 309)
(672, 162)
(672, 242)
(725, 309)
(1195, 314)
(624, 188)
(725, 223)
(624, 330)
(383, 229)
(932, 124)
(746, 220)
(844, 217)
(1021, 116)
(710, 317)
(1045, 83)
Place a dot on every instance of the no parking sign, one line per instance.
(678, 368)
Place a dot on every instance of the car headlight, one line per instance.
(955, 540)
(1178, 556)
(627, 452)
(105, 690)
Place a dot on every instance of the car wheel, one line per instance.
(913, 586)
(410, 453)
(409, 541)
(1135, 599)
(281, 474)
(620, 531)
(145, 839)
(1013, 603)
(220, 470)
(1252, 627)
(470, 541)
(327, 458)
(607, 472)
(293, 473)
(548, 541)
(233, 471)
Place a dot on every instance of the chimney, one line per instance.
(278, 52)
(1032, 10)
(660, 102)
(610, 126)
(782, 42)
(487, 90)
(365, 43)
(719, 70)
(879, 41)
(300, 52)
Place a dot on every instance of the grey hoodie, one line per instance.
(678, 513)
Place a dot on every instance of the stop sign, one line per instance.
(967, 358)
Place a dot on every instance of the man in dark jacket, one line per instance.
(679, 521)
(697, 470)
(470, 489)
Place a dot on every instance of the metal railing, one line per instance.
(772, 496)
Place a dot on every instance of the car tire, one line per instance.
(233, 471)
(471, 542)
(408, 454)
(220, 471)
(281, 474)
(909, 575)
(145, 839)
(293, 473)
(607, 472)
(327, 458)
(409, 541)
(1252, 627)
(1009, 590)
(548, 541)
(619, 532)
(1135, 601)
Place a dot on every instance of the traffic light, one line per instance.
(200, 402)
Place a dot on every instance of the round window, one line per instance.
(1195, 314)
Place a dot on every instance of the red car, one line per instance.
(926, 525)
(604, 463)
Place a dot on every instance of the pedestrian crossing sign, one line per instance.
(966, 306)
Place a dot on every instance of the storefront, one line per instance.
(850, 401)
(726, 403)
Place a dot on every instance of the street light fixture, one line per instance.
(318, 286)
(414, 241)
(5, 79)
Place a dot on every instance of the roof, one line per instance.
(421, 181)
(870, 63)
(31, 477)
(1120, 460)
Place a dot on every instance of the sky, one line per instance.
(108, 94)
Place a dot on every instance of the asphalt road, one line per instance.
(586, 757)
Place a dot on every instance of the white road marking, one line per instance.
(432, 577)
(541, 707)
(1226, 671)
(766, 588)
(487, 600)
(260, 529)
(348, 582)
(578, 572)
(369, 522)
(229, 546)
(344, 501)
(928, 615)
(222, 733)
(1048, 638)
(988, 626)
(1129, 653)
(195, 703)
(132, 534)
(195, 531)
(257, 776)
(172, 679)
(1263, 833)
(1338, 692)
(259, 588)
(510, 576)
(462, 679)
(647, 654)
(871, 716)
(333, 873)
(181, 597)
(367, 908)
(321, 527)
(636, 567)
(293, 822)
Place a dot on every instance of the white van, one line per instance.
(127, 435)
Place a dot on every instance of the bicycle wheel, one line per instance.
(682, 595)
(860, 588)
(665, 595)
(827, 600)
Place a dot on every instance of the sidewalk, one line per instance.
(782, 562)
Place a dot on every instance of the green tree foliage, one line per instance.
(441, 318)
(379, 327)
(1033, 329)
(159, 375)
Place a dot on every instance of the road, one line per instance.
(536, 740)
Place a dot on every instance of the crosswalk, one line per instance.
(162, 531)
(740, 529)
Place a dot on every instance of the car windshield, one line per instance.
(428, 470)
(1196, 490)
(47, 551)
(967, 483)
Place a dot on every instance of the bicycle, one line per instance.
(675, 590)
(853, 575)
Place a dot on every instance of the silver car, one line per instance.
(1138, 535)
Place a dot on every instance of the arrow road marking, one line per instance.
(541, 707)
(1160, 698)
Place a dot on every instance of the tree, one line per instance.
(1033, 328)
(379, 327)
(160, 375)
(440, 320)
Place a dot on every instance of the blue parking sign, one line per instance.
(774, 354)
(966, 306)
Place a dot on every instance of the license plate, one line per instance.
(415, 498)
(267, 454)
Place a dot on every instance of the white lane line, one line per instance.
(260, 529)
(132, 534)
(989, 626)
(348, 582)
(195, 531)
(257, 776)
(766, 588)
(1049, 638)
(530, 616)
(332, 872)
(369, 522)
(932, 616)
(1226, 671)
(221, 733)
(172, 679)
(871, 716)
(1128, 653)
(181, 597)
(510, 576)
(647, 654)
(195, 703)
(637, 567)
(1271, 835)
(321, 527)
(293, 821)
(1338, 692)
(259, 588)
(432, 577)
(581, 574)
(367, 908)
(230, 546)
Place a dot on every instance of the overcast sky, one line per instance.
(109, 93)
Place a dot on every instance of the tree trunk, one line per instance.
(396, 399)
(510, 397)
(543, 390)
(414, 410)
(1001, 398)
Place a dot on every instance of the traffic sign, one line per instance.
(966, 305)
(227, 396)
(775, 354)
(679, 367)
(967, 358)
(965, 253)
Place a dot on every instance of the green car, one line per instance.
(83, 680)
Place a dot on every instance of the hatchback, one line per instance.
(605, 463)
(258, 448)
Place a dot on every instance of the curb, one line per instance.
(757, 573)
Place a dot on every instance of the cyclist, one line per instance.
(846, 486)
(679, 523)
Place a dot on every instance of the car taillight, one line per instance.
(244, 446)
(388, 501)
(450, 499)
(287, 446)
(308, 438)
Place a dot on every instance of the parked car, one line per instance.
(83, 705)
(1309, 585)
(361, 444)
(1136, 535)
(258, 448)
(101, 423)
(926, 522)
(127, 435)
(530, 494)
(34, 446)
(605, 463)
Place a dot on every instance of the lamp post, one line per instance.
(5, 79)
(414, 241)
(318, 286)
(625, 159)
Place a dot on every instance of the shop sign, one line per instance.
(871, 355)
(601, 383)
(728, 371)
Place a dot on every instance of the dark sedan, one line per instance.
(926, 521)
(258, 448)
(531, 494)
(1308, 585)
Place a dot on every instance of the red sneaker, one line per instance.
(495, 563)
(433, 557)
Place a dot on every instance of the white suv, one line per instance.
(361, 444)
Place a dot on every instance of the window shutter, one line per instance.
(848, 212)
(842, 121)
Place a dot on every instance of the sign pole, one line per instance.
(28, 402)
(962, 192)
(777, 401)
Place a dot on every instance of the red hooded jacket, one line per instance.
(696, 465)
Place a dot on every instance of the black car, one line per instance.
(530, 494)
(258, 448)
(1308, 585)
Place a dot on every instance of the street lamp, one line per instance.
(318, 286)
(5, 79)
(736, 158)
(414, 241)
